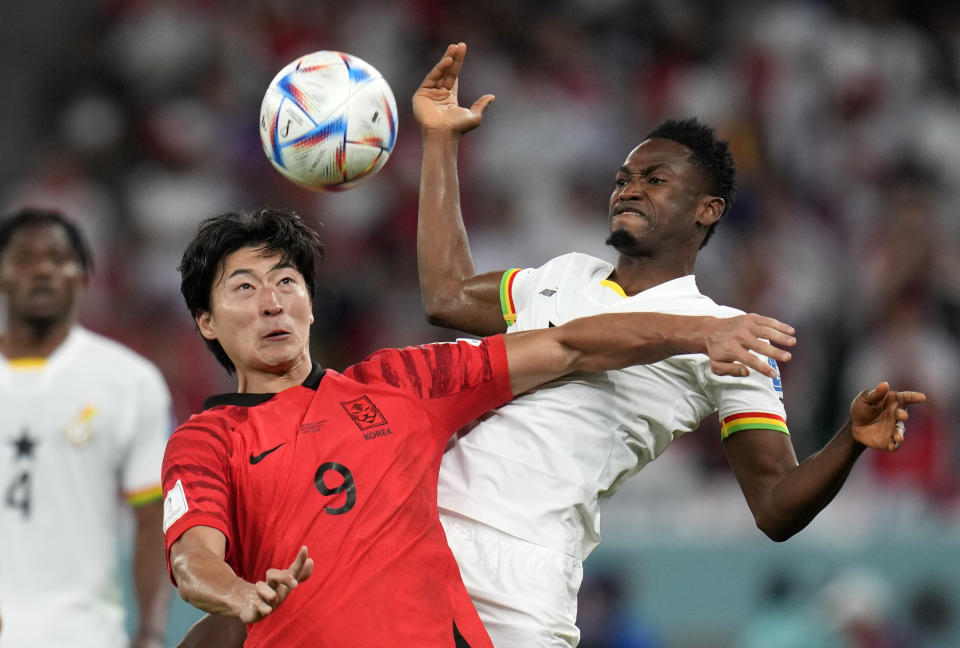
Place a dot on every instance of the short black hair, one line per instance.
(35, 217)
(710, 154)
(271, 230)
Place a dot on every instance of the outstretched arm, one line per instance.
(617, 340)
(784, 496)
(453, 294)
(205, 581)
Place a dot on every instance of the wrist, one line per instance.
(701, 333)
(150, 633)
(439, 135)
(849, 432)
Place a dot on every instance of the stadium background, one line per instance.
(138, 118)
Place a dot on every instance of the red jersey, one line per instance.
(347, 465)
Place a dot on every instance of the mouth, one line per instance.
(277, 334)
(628, 210)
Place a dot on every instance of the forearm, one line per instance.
(600, 343)
(205, 581)
(150, 573)
(443, 252)
(617, 340)
(806, 489)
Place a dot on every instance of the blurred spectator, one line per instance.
(85, 422)
(784, 619)
(604, 617)
(858, 606)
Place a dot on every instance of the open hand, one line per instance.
(879, 415)
(730, 341)
(435, 105)
(263, 597)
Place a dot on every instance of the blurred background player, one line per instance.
(83, 424)
(520, 494)
(345, 464)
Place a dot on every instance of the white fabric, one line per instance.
(98, 417)
(526, 594)
(538, 467)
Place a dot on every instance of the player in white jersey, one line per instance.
(519, 495)
(83, 426)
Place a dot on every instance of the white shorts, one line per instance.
(526, 594)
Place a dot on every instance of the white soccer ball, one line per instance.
(328, 121)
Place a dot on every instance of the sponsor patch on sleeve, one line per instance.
(174, 505)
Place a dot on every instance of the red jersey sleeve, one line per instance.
(196, 480)
(455, 381)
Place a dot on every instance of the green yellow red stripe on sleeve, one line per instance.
(506, 296)
(752, 420)
(145, 495)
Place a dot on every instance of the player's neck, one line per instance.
(32, 340)
(636, 274)
(258, 381)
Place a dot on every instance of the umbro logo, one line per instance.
(548, 292)
(255, 459)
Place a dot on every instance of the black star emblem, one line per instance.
(24, 445)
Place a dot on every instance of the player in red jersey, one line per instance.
(346, 463)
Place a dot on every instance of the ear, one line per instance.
(710, 211)
(204, 324)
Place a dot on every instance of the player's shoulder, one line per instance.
(575, 261)
(681, 296)
(107, 354)
(413, 367)
(216, 423)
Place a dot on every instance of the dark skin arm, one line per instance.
(785, 496)
(453, 294)
(150, 578)
(215, 631)
(618, 340)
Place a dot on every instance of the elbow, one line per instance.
(184, 580)
(776, 529)
(438, 311)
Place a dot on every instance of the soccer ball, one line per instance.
(328, 121)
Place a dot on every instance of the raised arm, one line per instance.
(784, 496)
(207, 582)
(617, 340)
(453, 294)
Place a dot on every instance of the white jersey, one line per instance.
(538, 467)
(79, 431)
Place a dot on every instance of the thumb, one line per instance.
(875, 395)
(480, 105)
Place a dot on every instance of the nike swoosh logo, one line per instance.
(255, 459)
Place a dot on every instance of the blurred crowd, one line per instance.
(139, 117)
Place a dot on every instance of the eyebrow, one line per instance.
(241, 271)
(648, 170)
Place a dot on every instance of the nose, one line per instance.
(271, 303)
(42, 266)
(632, 188)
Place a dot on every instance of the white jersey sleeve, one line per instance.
(142, 451)
(754, 401)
